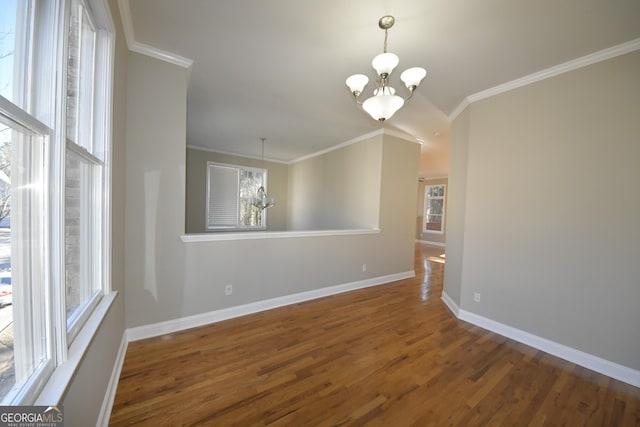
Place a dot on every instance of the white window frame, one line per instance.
(90, 298)
(20, 120)
(98, 134)
(41, 110)
(427, 199)
(236, 225)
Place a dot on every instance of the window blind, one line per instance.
(224, 196)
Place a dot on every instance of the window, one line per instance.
(83, 175)
(54, 139)
(24, 338)
(434, 197)
(230, 193)
(83, 171)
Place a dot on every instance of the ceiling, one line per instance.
(276, 68)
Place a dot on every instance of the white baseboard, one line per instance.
(161, 328)
(450, 304)
(430, 243)
(112, 387)
(589, 361)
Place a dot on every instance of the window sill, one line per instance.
(257, 235)
(56, 386)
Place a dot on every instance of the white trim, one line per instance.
(170, 326)
(145, 49)
(556, 70)
(242, 156)
(255, 235)
(18, 117)
(112, 387)
(357, 139)
(109, 25)
(127, 22)
(451, 305)
(162, 55)
(237, 170)
(589, 361)
(424, 179)
(110, 52)
(402, 135)
(459, 109)
(426, 200)
(430, 243)
(58, 382)
(338, 146)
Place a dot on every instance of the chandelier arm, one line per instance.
(356, 97)
(410, 94)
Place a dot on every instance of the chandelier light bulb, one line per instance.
(384, 63)
(356, 83)
(412, 77)
(382, 107)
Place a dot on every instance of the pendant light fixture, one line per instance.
(262, 200)
(384, 102)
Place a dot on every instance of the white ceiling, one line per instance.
(276, 68)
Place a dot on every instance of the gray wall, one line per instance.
(285, 266)
(196, 191)
(551, 235)
(85, 395)
(398, 186)
(431, 237)
(155, 197)
(456, 205)
(167, 279)
(337, 190)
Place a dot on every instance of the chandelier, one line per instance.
(262, 200)
(384, 102)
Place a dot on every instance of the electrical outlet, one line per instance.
(228, 290)
(476, 296)
(364, 267)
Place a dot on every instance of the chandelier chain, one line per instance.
(262, 158)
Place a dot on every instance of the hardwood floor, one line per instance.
(391, 355)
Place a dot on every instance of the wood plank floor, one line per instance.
(391, 355)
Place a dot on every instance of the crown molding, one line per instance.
(338, 146)
(556, 70)
(144, 49)
(357, 139)
(162, 55)
(459, 109)
(127, 22)
(402, 135)
(228, 153)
